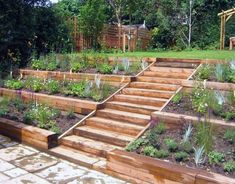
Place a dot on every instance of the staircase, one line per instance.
(125, 116)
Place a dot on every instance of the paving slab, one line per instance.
(16, 172)
(61, 173)
(4, 166)
(36, 162)
(15, 152)
(3, 177)
(27, 179)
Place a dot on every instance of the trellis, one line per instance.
(224, 16)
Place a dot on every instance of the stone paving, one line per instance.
(20, 164)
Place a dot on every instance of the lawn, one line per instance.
(195, 54)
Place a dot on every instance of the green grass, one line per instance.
(194, 54)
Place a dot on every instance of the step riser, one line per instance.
(119, 117)
(139, 101)
(166, 75)
(156, 94)
(80, 146)
(128, 109)
(175, 65)
(102, 138)
(154, 87)
(159, 80)
(171, 70)
(111, 127)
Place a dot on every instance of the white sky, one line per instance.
(54, 1)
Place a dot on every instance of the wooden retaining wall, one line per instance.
(33, 136)
(62, 103)
(155, 171)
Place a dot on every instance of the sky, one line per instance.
(54, 1)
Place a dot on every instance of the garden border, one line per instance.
(34, 136)
(150, 170)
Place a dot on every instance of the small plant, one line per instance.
(116, 69)
(222, 72)
(71, 114)
(177, 98)
(14, 84)
(75, 89)
(215, 157)
(18, 103)
(229, 135)
(187, 133)
(161, 153)
(205, 72)
(97, 81)
(76, 67)
(52, 86)
(229, 166)
(198, 155)
(34, 84)
(126, 65)
(152, 138)
(186, 146)
(150, 151)
(181, 156)
(51, 66)
(38, 65)
(204, 135)
(133, 146)
(171, 144)
(4, 103)
(144, 64)
(105, 68)
(54, 127)
(27, 118)
(160, 128)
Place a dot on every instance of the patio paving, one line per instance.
(21, 164)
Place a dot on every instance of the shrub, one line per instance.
(160, 128)
(222, 72)
(54, 127)
(52, 86)
(34, 84)
(150, 151)
(171, 144)
(133, 146)
(14, 84)
(161, 154)
(105, 68)
(76, 66)
(186, 146)
(181, 156)
(215, 157)
(205, 72)
(51, 66)
(152, 138)
(27, 118)
(18, 103)
(177, 98)
(75, 89)
(38, 65)
(229, 166)
(229, 135)
(4, 103)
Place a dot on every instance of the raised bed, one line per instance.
(152, 170)
(62, 103)
(34, 136)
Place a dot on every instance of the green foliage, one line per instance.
(215, 157)
(186, 147)
(229, 166)
(204, 135)
(150, 151)
(27, 118)
(19, 104)
(38, 64)
(161, 153)
(229, 135)
(105, 68)
(14, 84)
(133, 146)
(177, 98)
(181, 156)
(4, 102)
(171, 144)
(222, 72)
(52, 86)
(160, 128)
(205, 72)
(76, 66)
(51, 66)
(75, 89)
(34, 84)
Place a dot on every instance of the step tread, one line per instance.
(160, 80)
(148, 85)
(142, 97)
(149, 107)
(149, 90)
(106, 133)
(172, 69)
(115, 122)
(77, 156)
(91, 143)
(130, 114)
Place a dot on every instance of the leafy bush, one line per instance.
(186, 146)
(52, 86)
(76, 66)
(27, 118)
(75, 89)
(133, 146)
(229, 166)
(152, 137)
(4, 103)
(229, 135)
(14, 84)
(34, 84)
(38, 65)
(222, 72)
(215, 157)
(19, 104)
(205, 72)
(177, 98)
(161, 153)
(105, 68)
(51, 66)
(150, 151)
(181, 156)
(171, 144)
(160, 128)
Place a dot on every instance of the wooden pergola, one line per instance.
(224, 16)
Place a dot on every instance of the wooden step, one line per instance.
(176, 64)
(166, 74)
(134, 118)
(148, 92)
(112, 125)
(171, 70)
(76, 156)
(158, 102)
(88, 145)
(113, 138)
(131, 107)
(154, 86)
(159, 80)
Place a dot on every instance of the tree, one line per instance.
(91, 20)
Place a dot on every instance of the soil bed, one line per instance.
(219, 145)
